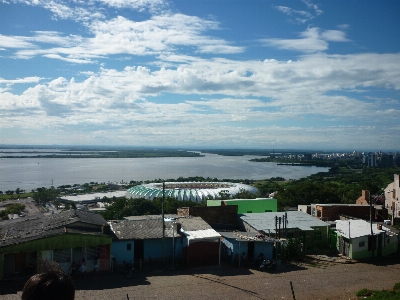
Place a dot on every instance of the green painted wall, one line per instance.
(249, 205)
(62, 241)
(365, 253)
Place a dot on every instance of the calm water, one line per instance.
(30, 173)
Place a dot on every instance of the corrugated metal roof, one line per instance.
(27, 229)
(295, 219)
(358, 228)
(201, 234)
(150, 227)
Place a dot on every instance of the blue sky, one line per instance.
(220, 73)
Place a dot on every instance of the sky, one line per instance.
(201, 74)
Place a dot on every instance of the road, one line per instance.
(310, 280)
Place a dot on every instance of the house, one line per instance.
(65, 237)
(392, 198)
(332, 212)
(291, 224)
(186, 240)
(257, 205)
(235, 243)
(354, 239)
(216, 216)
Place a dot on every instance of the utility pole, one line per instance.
(370, 221)
(163, 222)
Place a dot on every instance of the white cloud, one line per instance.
(163, 33)
(14, 42)
(33, 79)
(140, 5)
(301, 16)
(311, 40)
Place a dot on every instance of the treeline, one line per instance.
(112, 154)
(336, 186)
(122, 207)
(15, 208)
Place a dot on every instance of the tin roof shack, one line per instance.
(235, 243)
(292, 224)
(187, 240)
(65, 237)
(257, 205)
(355, 241)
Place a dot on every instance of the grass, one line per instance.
(4, 197)
(393, 294)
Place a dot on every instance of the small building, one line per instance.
(258, 205)
(332, 212)
(68, 236)
(186, 240)
(291, 224)
(216, 216)
(354, 239)
(235, 243)
(392, 198)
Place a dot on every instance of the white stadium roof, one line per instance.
(188, 191)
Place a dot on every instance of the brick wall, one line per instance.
(331, 213)
(364, 199)
(213, 215)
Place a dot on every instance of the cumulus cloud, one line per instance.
(163, 33)
(311, 40)
(162, 91)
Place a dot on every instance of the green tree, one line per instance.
(44, 195)
(244, 194)
(224, 195)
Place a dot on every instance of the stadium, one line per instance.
(188, 191)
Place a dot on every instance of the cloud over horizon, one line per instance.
(146, 73)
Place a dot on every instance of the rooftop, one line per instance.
(295, 219)
(27, 229)
(358, 228)
(150, 227)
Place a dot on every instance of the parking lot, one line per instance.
(310, 280)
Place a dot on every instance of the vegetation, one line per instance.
(393, 294)
(15, 208)
(123, 207)
(338, 185)
(44, 195)
(292, 249)
(96, 153)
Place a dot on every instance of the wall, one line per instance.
(248, 205)
(253, 205)
(389, 246)
(121, 253)
(333, 212)
(62, 241)
(215, 216)
(364, 199)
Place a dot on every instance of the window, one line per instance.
(249, 211)
(129, 247)
(268, 210)
(361, 244)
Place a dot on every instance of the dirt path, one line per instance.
(321, 280)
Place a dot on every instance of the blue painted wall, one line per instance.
(152, 249)
(120, 252)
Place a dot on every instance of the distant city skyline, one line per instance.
(201, 74)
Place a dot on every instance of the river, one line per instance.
(31, 173)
